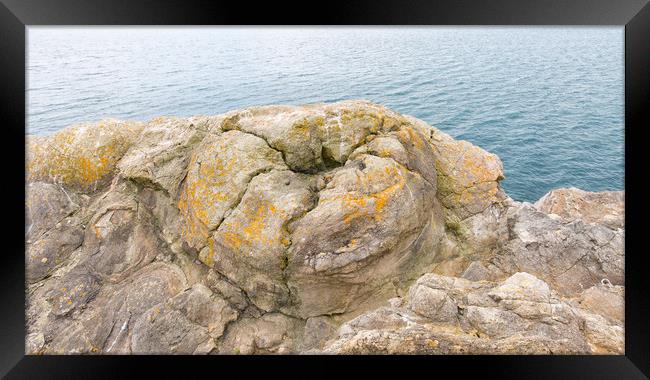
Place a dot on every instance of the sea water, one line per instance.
(549, 101)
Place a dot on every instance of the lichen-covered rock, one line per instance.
(285, 229)
(335, 245)
(250, 245)
(468, 176)
(314, 137)
(82, 157)
(292, 205)
(219, 172)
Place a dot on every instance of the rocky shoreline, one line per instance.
(341, 228)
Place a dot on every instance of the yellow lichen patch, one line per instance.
(218, 174)
(80, 156)
(254, 227)
(432, 343)
(306, 126)
(357, 205)
(207, 255)
(361, 118)
(382, 197)
(97, 231)
(233, 239)
(467, 176)
(385, 152)
(205, 189)
(407, 134)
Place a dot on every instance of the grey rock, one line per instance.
(187, 322)
(570, 255)
(272, 333)
(605, 207)
(487, 317)
(476, 271)
(317, 331)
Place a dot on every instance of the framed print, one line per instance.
(384, 184)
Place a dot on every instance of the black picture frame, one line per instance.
(15, 15)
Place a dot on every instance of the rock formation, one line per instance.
(324, 228)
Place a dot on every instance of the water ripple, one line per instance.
(548, 101)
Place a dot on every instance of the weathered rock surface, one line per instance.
(571, 255)
(448, 315)
(286, 229)
(605, 207)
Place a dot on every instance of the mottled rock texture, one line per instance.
(606, 207)
(324, 228)
(449, 315)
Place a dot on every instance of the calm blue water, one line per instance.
(548, 101)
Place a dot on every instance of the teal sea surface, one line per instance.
(549, 101)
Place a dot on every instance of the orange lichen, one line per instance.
(382, 197)
(79, 156)
(467, 175)
(208, 258)
(256, 226)
(356, 205)
(232, 239)
(354, 117)
(205, 188)
(252, 228)
(407, 134)
(97, 231)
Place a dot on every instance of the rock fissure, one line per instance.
(241, 196)
(282, 153)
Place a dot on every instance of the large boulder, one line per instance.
(299, 206)
(284, 229)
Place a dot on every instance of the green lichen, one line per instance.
(454, 225)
